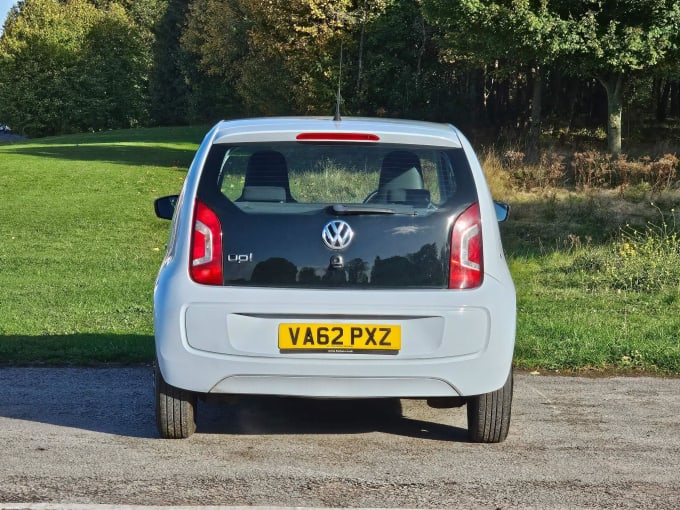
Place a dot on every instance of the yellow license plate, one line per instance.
(340, 338)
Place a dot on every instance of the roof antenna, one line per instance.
(338, 97)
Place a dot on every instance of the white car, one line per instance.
(313, 257)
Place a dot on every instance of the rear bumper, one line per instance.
(224, 340)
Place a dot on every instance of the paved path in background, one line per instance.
(74, 435)
(6, 138)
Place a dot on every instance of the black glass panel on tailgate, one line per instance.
(336, 215)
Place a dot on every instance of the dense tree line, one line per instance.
(513, 66)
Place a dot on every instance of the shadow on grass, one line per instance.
(152, 146)
(131, 155)
(177, 134)
(78, 349)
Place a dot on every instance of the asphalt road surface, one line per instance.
(87, 436)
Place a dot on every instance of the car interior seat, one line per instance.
(401, 180)
(266, 178)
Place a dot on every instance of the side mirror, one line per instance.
(165, 206)
(502, 211)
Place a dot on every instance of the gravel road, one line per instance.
(75, 435)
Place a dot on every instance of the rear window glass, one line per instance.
(287, 175)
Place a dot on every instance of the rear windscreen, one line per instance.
(293, 176)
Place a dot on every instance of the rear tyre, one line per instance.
(175, 409)
(489, 414)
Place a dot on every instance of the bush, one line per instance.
(511, 171)
(594, 169)
(496, 174)
(590, 169)
(639, 260)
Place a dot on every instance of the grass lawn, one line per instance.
(585, 303)
(563, 326)
(80, 244)
(80, 247)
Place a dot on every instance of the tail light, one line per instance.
(206, 247)
(466, 268)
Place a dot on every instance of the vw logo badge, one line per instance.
(337, 234)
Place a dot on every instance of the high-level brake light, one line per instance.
(337, 137)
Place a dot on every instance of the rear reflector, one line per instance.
(206, 247)
(466, 269)
(337, 137)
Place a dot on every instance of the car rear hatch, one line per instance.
(335, 214)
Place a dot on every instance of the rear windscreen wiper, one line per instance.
(345, 210)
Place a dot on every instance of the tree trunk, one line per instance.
(475, 96)
(536, 112)
(420, 51)
(613, 84)
(360, 63)
(675, 99)
(662, 91)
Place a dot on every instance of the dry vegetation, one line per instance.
(594, 246)
(574, 193)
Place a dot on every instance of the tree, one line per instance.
(215, 42)
(401, 72)
(168, 88)
(506, 35)
(302, 39)
(615, 39)
(278, 57)
(606, 39)
(70, 67)
(113, 73)
(38, 65)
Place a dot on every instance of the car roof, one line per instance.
(319, 129)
